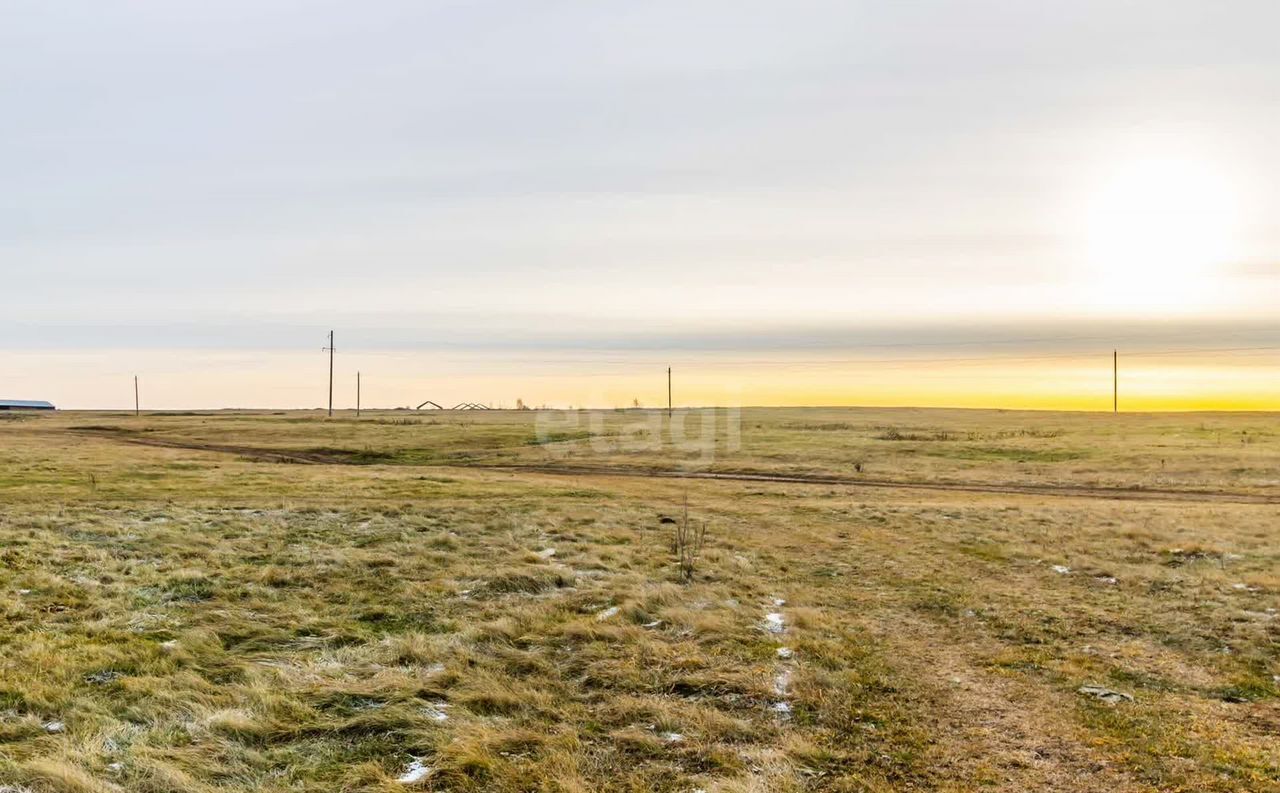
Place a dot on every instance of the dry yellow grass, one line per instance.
(404, 618)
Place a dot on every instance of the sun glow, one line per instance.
(1157, 233)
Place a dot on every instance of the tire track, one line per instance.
(1065, 491)
(250, 452)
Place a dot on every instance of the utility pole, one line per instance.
(1115, 381)
(329, 350)
(668, 392)
(357, 395)
(137, 404)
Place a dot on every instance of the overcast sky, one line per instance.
(178, 177)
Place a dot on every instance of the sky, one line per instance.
(799, 202)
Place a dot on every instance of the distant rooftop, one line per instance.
(25, 404)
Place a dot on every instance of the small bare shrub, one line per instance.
(688, 544)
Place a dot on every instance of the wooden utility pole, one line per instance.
(1115, 381)
(357, 395)
(668, 392)
(137, 403)
(329, 349)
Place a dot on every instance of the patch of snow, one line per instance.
(672, 737)
(436, 711)
(774, 623)
(54, 727)
(653, 624)
(779, 603)
(782, 682)
(435, 669)
(415, 773)
(783, 709)
(1105, 579)
(786, 653)
(547, 553)
(1105, 694)
(115, 768)
(608, 613)
(1244, 587)
(24, 591)
(1061, 569)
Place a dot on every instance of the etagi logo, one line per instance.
(690, 437)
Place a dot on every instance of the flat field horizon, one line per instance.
(881, 599)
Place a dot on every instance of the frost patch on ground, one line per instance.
(414, 773)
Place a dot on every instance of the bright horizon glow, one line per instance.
(276, 380)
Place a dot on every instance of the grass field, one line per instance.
(885, 600)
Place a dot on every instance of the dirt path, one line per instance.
(1063, 491)
(998, 729)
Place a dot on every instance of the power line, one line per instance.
(828, 362)
(708, 358)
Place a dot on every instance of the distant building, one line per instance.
(25, 404)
